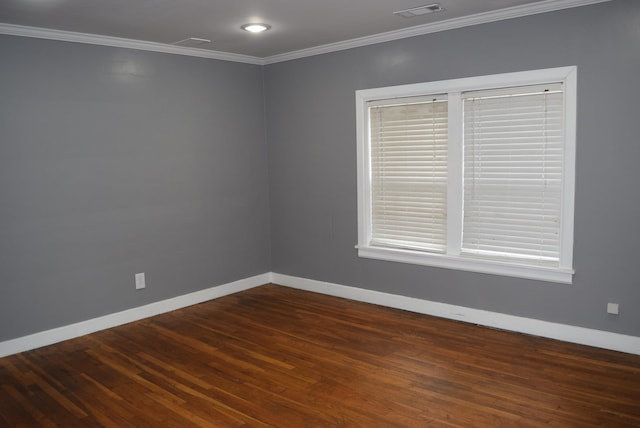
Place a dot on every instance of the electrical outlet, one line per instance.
(613, 308)
(140, 281)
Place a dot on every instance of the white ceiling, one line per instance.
(296, 24)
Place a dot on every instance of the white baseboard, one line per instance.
(566, 333)
(563, 332)
(71, 331)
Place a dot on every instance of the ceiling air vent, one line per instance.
(191, 42)
(420, 10)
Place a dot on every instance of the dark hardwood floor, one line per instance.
(279, 357)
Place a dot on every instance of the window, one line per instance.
(474, 174)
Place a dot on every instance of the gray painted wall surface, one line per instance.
(312, 161)
(115, 161)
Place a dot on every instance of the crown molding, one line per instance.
(449, 24)
(418, 30)
(94, 39)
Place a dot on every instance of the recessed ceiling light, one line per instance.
(420, 10)
(255, 27)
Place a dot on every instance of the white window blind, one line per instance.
(478, 178)
(513, 172)
(408, 144)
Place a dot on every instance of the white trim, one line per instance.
(449, 24)
(474, 83)
(568, 192)
(71, 331)
(95, 39)
(455, 183)
(418, 30)
(493, 267)
(363, 169)
(566, 333)
(563, 332)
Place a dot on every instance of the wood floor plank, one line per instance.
(278, 357)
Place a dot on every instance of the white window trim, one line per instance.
(453, 259)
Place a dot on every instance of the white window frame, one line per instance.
(453, 259)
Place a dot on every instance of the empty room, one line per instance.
(337, 213)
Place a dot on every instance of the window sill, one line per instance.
(541, 273)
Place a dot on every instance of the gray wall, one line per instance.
(116, 161)
(312, 161)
